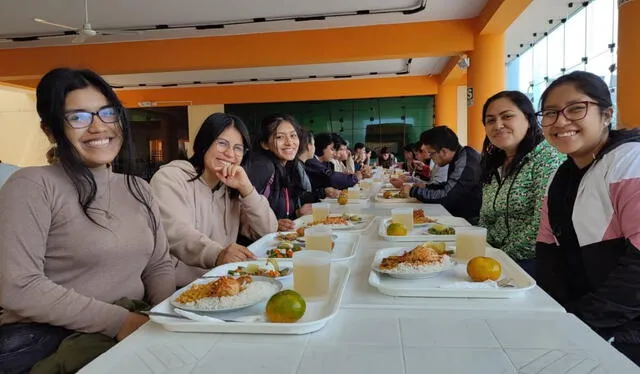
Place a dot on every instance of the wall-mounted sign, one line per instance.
(469, 96)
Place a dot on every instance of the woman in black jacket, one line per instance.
(272, 169)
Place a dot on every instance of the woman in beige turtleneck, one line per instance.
(206, 201)
(77, 237)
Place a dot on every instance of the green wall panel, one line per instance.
(351, 118)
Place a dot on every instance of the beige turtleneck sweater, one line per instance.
(201, 223)
(58, 267)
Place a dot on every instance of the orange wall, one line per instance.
(240, 51)
(302, 91)
(487, 76)
(447, 106)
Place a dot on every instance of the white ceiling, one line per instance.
(16, 20)
(344, 70)
(535, 19)
(16, 17)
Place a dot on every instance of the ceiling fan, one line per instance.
(86, 31)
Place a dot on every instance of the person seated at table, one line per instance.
(318, 167)
(368, 153)
(81, 245)
(359, 156)
(307, 152)
(207, 200)
(386, 159)
(588, 245)
(272, 169)
(342, 161)
(461, 194)
(408, 152)
(516, 165)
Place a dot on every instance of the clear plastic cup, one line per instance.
(311, 273)
(403, 216)
(470, 242)
(318, 238)
(320, 211)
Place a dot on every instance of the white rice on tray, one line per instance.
(254, 292)
(406, 268)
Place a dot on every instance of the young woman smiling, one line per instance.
(589, 240)
(273, 171)
(516, 165)
(207, 201)
(77, 238)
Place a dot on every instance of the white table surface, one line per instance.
(381, 342)
(375, 333)
(359, 294)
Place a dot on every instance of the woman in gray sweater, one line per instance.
(81, 245)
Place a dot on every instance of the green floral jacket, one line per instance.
(511, 209)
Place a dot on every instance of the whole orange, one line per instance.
(286, 306)
(343, 199)
(483, 268)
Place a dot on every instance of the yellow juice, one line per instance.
(319, 242)
(470, 244)
(320, 213)
(404, 218)
(354, 193)
(311, 280)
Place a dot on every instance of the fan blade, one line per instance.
(80, 38)
(54, 24)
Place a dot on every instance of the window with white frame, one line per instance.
(585, 41)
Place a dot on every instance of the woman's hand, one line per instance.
(234, 176)
(131, 324)
(331, 193)
(286, 225)
(304, 210)
(418, 165)
(397, 182)
(406, 189)
(234, 253)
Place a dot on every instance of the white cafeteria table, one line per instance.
(375, 333)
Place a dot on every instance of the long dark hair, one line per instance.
(210, 130)
(268, 127)
(51, 94)
(493, 157)
(585, 82)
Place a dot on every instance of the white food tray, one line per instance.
(317, 315)
(431, 287)
(418, 234)
(367, 219)
(345, 248)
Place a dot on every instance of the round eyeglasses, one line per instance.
(572, 112)
(223, 145)
(79, 119)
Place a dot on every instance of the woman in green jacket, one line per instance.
(516, 165)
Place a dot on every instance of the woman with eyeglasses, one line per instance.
(516, 165)
(589, 239)
(273, 169)
(206, 201)
(81, 245)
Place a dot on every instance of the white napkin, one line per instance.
(485, 284)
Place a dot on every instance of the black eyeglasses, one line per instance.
(79, 119)
(572, 112)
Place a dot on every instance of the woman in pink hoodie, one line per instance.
(206, 201)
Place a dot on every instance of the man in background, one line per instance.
(461, 194)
